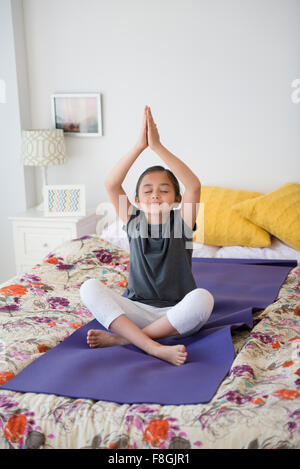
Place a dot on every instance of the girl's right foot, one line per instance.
(174, 354)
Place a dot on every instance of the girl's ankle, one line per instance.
(155, 349)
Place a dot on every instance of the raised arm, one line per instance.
(178, 167)
(191, 197)
(118, 173)
(113, 185)
(113, 181)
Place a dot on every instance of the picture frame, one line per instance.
(77, 114)
(64, 200)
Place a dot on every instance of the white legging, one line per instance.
(187, 316)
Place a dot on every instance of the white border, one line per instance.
(79, 95)
(81, 212)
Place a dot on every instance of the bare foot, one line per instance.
(97, 339)
(174, 354)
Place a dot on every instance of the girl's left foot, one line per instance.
(97, 338)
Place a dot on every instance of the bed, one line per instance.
(256, 405)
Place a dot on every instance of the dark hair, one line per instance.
(153, 169)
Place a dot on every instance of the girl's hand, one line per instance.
(142, 142)
(153, 135)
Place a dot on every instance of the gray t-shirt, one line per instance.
(160, 272)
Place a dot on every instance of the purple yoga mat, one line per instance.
(126, 374)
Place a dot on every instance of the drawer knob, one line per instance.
(45, 245)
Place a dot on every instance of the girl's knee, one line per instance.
(193, 312)
(88, 287)
(203, 304)
(204, 297)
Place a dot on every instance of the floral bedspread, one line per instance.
(256, 406)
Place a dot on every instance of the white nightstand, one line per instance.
(35, 235)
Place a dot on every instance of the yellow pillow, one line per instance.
(223, 226)
(278, 212)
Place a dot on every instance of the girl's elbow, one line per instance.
(109, 184)
(197, 184)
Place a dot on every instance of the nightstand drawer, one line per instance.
(38, 241)
(36, 235)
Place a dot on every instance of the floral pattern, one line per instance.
(256, 406)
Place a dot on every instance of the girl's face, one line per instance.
(157, 194)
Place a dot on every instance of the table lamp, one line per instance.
(43, 148)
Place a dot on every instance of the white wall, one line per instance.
(216, 73)
(17, 187)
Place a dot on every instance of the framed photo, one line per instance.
(78, 114)
(64, 200)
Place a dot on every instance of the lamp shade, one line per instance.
(43, 147)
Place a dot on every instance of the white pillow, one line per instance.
(277, 250)
(116, 235)
(204, 250)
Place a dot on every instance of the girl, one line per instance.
(162, 297)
